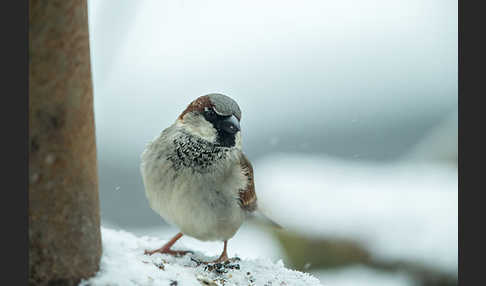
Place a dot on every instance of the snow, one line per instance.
(123, 263)
(250, 242)
(399, 211)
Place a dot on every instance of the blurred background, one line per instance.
(349, 117)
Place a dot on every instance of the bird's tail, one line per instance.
(262, 218)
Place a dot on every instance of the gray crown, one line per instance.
(224, 105)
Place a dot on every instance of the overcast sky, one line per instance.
(357, 79)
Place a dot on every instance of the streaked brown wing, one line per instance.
(248, 199)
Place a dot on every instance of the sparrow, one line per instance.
(196, 176)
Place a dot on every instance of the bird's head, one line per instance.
(215, 118)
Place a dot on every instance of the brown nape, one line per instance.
(197, 105)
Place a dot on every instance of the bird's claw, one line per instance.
(176, 253)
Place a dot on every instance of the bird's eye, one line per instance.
(209, 112)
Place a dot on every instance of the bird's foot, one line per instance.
(222, 260)
(176, 253)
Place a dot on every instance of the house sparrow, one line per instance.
(196, 176)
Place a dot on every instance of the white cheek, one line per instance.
(238, 140)
(197, 125)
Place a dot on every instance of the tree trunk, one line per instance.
(64, 218)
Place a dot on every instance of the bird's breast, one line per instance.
(194, 187)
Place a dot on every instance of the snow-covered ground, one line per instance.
(400, 211)
(123, 263)
(250, 242)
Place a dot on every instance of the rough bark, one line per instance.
(64, 219)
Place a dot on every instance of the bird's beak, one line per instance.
(230, 124)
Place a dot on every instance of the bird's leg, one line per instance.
(224, 256)
(166, 247)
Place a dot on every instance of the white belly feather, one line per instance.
(202, 205)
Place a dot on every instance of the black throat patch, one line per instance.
(223, 138)
(196, 153)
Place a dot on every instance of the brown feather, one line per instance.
(248, 199)
(197, 105)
